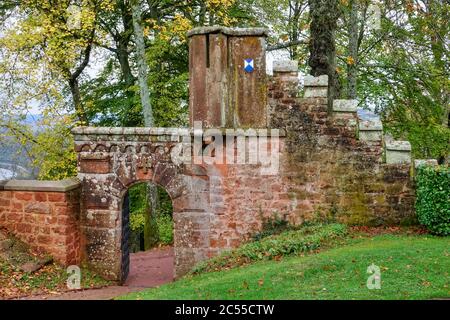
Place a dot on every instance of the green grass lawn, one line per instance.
(412, 267)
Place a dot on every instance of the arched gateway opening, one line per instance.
(219, 196)
(147, 235)
(110, 161)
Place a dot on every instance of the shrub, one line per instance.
(287, 243)
(137, 222)
(433, 198)
(165, 229)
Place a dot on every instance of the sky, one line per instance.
(5, 174)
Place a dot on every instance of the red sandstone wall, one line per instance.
(240, 198)
(329, 172)
(326, 173)
(47, 221)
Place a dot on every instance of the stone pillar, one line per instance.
(285, 73)
(227, 69)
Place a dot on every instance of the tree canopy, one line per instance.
(78, 62)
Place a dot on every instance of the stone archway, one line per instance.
(110, 160)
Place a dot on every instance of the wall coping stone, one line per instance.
(345, 105)
(320, 81)
(285, 66)
(153, 131)
(112, 131)
(425, 162)
(229, 31)
(373, 124)
(38, 185)
(398, 145)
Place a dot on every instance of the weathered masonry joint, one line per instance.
(327, 164)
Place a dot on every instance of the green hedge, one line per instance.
(433, 198)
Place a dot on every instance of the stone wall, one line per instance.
(332, 164)
(241, 197)
(214, 203)
(335, 164)
(110, 160)
(43, 215)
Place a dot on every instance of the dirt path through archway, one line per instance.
(147, 269)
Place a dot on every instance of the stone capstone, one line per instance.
(342, 105)
(425, 162)
(320, 81)
(236, 32)
(370, 129)
(285, 66)
(397, 152)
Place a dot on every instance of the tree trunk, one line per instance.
(294, 17)
(122, 40)
(322, 60)
(142, 65)
(147, 111)
(124, 62)
(151, 236)
(76, 98)
(353, 33)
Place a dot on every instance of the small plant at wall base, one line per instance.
(272, 225)
(292, 242)
(433, 198)
(325, 216)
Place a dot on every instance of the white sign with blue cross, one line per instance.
(249, 65)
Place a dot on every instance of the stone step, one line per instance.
(370, 129)
(316, 87)
(285, 66)
(397, 152)
(344, 113)
(425, 162)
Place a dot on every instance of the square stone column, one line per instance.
(227, 77)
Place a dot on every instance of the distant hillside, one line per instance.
(14, 161)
